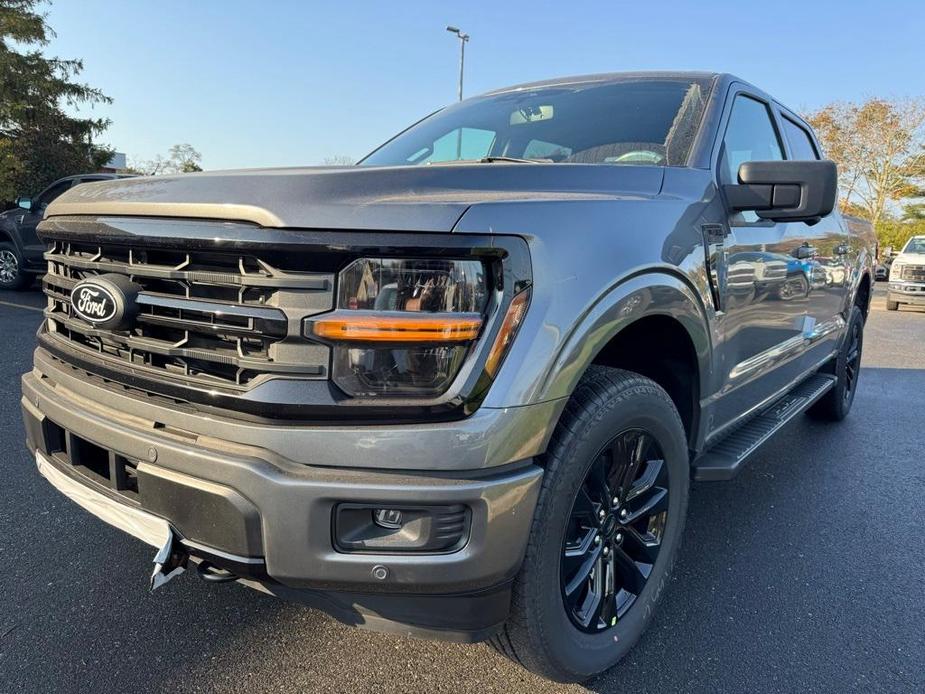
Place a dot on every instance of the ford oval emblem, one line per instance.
(106, 301)
(93, 303)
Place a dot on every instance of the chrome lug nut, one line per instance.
(623, 514)
(618, 537)
(606, 550)
(601, 514)
(615, 501)
(597, 539)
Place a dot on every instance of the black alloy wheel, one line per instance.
(614, 531)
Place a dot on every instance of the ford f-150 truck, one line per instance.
(460, 389)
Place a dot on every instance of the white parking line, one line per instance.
(28, 308)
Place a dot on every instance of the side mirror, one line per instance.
(888, 252)
(785, 191)
(24, 203)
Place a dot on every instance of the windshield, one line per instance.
(915, 245)
(631, 121)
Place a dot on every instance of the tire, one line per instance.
(11, 272)
(609, 407)
(835, 405)
(892, 305)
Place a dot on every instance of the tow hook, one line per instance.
(169, 562)
(211, 573)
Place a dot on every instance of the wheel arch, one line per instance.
(662, 313)
(863, 294)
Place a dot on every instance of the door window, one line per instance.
(801, 144)
(53, 192)
(750, 136)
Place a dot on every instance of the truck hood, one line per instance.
(910, 258)
(420, 198)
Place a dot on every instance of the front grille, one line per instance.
(914, 273)
(218, 319)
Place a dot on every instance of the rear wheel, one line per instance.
(11, 272)
(606, 529)
(835, 405)
(892, 305)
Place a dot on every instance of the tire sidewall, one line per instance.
(572, 649)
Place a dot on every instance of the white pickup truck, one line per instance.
(907, 275)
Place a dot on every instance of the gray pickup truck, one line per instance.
(459, 390)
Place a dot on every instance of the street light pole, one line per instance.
(463, 39)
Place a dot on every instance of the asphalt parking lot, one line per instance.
(806, 573)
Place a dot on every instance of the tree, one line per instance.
(183, 158)
(914, 213)
(39, 140)
(879, 146)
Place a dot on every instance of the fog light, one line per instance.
(424, 529)
(387, 518)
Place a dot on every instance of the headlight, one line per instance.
(896, 271)
(403, 327)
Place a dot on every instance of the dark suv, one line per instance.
(459, 390)
(20, 248)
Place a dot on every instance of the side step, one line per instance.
(724, 459)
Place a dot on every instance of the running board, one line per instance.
(724, 459)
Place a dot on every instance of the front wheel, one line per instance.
(606, 528)
(11, 272)
(892, 305)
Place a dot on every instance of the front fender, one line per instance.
(551, 354)
(647, 294)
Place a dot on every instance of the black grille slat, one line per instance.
(273, 278)
(221, 355)
(209, 316)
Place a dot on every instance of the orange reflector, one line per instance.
(398, 327)
(512, 320)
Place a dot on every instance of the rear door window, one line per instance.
(801, 144)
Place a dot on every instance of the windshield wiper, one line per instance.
(489, 160)
(514, 160)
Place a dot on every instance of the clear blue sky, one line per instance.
(288, 83)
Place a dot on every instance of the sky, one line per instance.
(287, 83)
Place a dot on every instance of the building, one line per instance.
(116, 164)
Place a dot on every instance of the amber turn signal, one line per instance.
(512, 320)
(354, 326)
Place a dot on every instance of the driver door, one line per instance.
(767, 291)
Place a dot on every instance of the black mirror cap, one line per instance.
(791, 191)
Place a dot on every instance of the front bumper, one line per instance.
(269, 519)
(912, 293)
